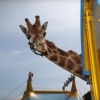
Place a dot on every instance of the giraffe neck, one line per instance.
(69, 61)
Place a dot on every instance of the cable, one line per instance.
(34, 79)
(50, 78)
(82, 86)
(19, 95)
(13, 91)
(79, 96)
(79, 91)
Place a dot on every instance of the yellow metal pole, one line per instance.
(86, 50)
(92, 49)
(99, 15)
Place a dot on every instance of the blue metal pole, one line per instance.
(99, 2)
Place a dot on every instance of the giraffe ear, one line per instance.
(24, 29)
(44, 26)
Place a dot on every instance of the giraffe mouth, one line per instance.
(37, 51)
(33, 46)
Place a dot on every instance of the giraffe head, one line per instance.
(35, 34)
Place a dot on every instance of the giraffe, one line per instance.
(70, 60)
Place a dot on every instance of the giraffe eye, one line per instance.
(44, 34)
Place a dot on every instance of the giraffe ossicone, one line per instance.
(70, 60)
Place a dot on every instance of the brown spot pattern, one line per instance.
(49, 51)
(77, 59)
(63, 53)
(54, 58)
(54, 51)
(80, 55)
(70, 65)
(50, 44)
(79, 70)
(62, 61)
(72, 52)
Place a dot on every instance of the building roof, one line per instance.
(31, 94)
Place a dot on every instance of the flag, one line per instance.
(72, 76)
(30, 74)
(69, 79)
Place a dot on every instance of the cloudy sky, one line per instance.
(16, 58)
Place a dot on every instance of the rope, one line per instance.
(79, 96)
(13, 91)
(52, 78)
(79, 91)
(40, 78)
(82, 86)
(20, 94)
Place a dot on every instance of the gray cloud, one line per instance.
(16, 58)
